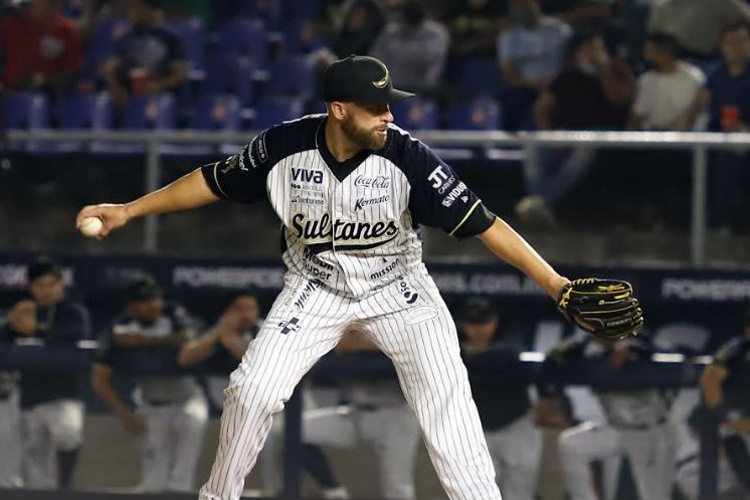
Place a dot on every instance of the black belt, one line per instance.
(158, 402)
(5, 395)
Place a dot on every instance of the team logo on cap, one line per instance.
(384, 81)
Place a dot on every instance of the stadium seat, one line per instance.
(291, 77)
(481, 76)
(272, 12)
(481, 113)
(193, 37)
(101, 45)
(211, 112)
(84, 112)
(245, 37)
(269, 112)
(293, 42)
(230, 74)
(26, 111)
(416, 114)
(142, 113)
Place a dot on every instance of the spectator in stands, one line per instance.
(52, 410)
(361, 23)
(593, 93)
(504, 406)
(147, 60)
(638, 421)
(696, 24)
(474, 26)
(172, 411)
(531, 53)
(581, 14)
(41, 49)
(727, 96)
(414, 48)
(668, 96)
(731, 406)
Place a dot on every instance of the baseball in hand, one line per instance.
(91, 226)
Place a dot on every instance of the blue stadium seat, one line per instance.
(293, 42)
(193, 37)
(269, 112)
(230, 74)
(26, 111)
(144, 113)
(305, 10)
(291, 77)
(481, 113)
(84, 112)
(481, 76)
(245, 37)
(101, 45)
(416, 114)
(211, 112)
(272, 12)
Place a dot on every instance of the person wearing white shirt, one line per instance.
(668, 95)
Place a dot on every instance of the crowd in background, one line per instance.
(476, 64)
(653, 428)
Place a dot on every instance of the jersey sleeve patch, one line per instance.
(438, 197)
(241, 177)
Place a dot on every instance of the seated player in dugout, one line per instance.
(504, 405)
(221, 348)
(171, 410)
(731, 405)
(51, 401)
(638, 423)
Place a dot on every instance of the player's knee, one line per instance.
(68, 436)
(256, 396)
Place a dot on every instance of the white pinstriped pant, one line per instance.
(409, 322)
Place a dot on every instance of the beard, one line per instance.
(362, 137)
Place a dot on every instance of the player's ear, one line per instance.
(337, 110)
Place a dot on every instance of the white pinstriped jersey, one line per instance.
(350, 226)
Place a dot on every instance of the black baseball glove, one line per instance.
(605, 308)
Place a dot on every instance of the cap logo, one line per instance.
(384, 81)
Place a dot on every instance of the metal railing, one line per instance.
(697, 142)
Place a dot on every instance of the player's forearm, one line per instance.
(513, 249)
(102, 387)
(198, 350)
(189, 191)
(711, 383)
(234, 345)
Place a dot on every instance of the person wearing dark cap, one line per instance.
(172, 411)
(352, 190)
(504, 406)
(148, 59)
(52, 410)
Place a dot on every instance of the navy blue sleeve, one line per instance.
(72, 324)
(548, 383)
(732, 352)
(438, 198)
(242, 177)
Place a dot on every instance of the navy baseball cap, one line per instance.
(477, 310)
(143, 289)
(361, 79)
